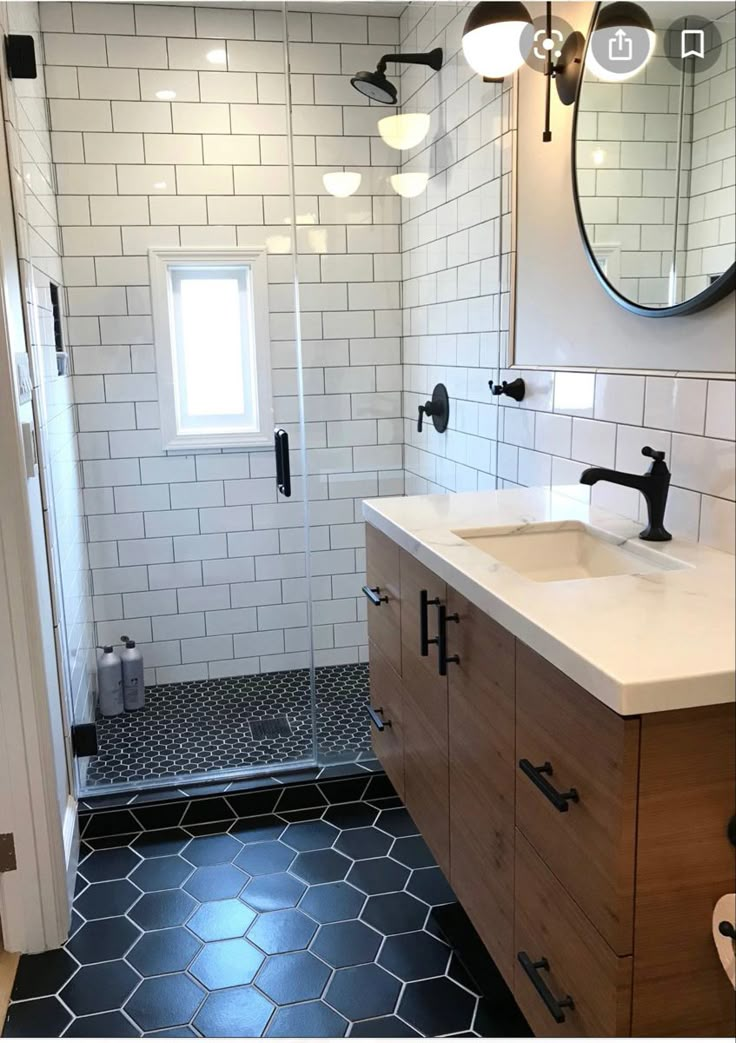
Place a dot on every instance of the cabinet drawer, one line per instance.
(551, 930)
(386, 700)
(382, 575)
(588, 839)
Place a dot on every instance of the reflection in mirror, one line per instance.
(654, 156)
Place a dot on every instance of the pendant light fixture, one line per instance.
(405, 130)
(342, 183)
(492, 38)
(409, 184)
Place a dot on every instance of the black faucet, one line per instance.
(654, 486)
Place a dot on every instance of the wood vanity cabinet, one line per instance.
(588, 849)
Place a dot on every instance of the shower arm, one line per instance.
(431, 58)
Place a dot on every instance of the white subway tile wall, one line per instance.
(456, 269)
(169, 128)
(39, 250)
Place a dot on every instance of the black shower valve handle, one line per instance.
(426, 410)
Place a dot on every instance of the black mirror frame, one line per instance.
(724, 285)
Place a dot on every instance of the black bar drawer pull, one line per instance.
(375, 716)
(283, 466)
(442, 657)
(553, 1005)
(424, 639)
(560, 800)
(374, 594)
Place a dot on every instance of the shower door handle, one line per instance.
(283, 468)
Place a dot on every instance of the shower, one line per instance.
(377, 87)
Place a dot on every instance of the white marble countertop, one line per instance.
(639, 643)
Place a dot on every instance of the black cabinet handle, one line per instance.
(560, 800)
(424, 640)
(374, 715)
(283, 466)
(553, 1005)
(374, 594)
(442, 657)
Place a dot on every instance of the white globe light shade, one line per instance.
(602, 73)
(405, 130)
(342, 183)
(409, 184)
(494, 50)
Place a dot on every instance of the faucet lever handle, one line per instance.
(654, 454)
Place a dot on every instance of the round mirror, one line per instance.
(654, 149)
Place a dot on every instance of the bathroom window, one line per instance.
(210, 314)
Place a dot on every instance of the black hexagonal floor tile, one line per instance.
(307, 1020)
(225, 964)
(394, 913)
(366, 842)
(100, 987)
(160, 1003)
(103, 940)
(163, 952)
(111, 864)
(210, 883)
(42, 974)
(412, 852)
(351, 816)
(161, 874)
(267, 857)
(158, 842)
(277, 891)
(363, 992)
(437, 1007)
(397, 822)
(257, 830)
(328, 903)
(378, 876)
(431, 886)
(217, 921)
(321, 867)
(112, 1025)
(346, 944)
(310, 836)
(160, 909)
(240, 1012)
(389, 1027)
(112, 898)
(283, 931)
(210, 851)
(293, 977)
(414, 956)
(41, 1019)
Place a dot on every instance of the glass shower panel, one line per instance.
(348, 262)
(195, 552)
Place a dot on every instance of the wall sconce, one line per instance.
(342, 183)
(409, 184)
(405, 130)
(617, 18)
(495, 45)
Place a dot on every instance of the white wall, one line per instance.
(194, 555)
(569, 419)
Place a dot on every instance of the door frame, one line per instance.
(34, 898)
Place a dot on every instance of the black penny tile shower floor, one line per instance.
(195, 727)
(328, 922)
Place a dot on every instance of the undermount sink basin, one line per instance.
(549, 554)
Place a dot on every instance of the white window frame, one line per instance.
(161, 261)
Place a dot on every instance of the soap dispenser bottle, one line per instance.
(134, 690)
(109, 682)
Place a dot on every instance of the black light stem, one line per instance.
(548, 72)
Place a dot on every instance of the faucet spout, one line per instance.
(654, 487)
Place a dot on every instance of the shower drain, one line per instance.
(270, 728)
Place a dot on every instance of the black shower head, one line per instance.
(375, 86)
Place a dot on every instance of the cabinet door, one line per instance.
(384, 617)
(482, 772)
(387, 702)
(426, 783)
